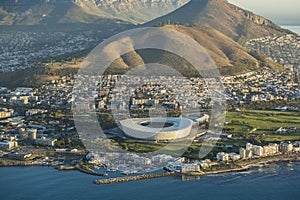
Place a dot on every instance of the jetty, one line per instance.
(132, 178)
(91, 172)
(81, 169)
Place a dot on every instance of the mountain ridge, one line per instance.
(36, 12)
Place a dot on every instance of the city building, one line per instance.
(205, 164)
(234, 156)
(271, 149)
(243, 152)
(249, 153)
(222, 156)
(6, 113)
(183, 167)
(8, 145)
(258, 150)
(286, 147)
(45, 142)
(249, 146)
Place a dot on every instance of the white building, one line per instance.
(271, 149)
(258, 150)
(249, 146)
(222, 156)
(249, 153)
(234, 156)
(286, 147)
(204, 164)
(183, 167)
(243, 153)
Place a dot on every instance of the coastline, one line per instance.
(77, 185)
(243, 165)
(290, 158)
(261, 162)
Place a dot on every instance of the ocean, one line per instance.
(276, 182)
(295, 29)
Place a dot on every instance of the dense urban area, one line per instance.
(37, 126)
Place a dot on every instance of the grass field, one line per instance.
(263, 123)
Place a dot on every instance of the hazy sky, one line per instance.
(280, 11)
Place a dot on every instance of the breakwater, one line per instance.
(91, 172)
(132, 178)
(79, 168)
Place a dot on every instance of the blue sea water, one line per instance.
(295, 29)
(278, 181)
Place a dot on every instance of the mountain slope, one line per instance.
(230, 57)
(227, 18)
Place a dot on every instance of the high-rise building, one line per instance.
(243, 153)
(286, 147)
(249, 153)
(249, 146)
(258, 150)
(222, 156)
(271, 149)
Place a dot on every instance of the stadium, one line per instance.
(157, 129)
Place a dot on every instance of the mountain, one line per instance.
(221, 28)
(37, 12)
(235, 22)
(230, 57)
